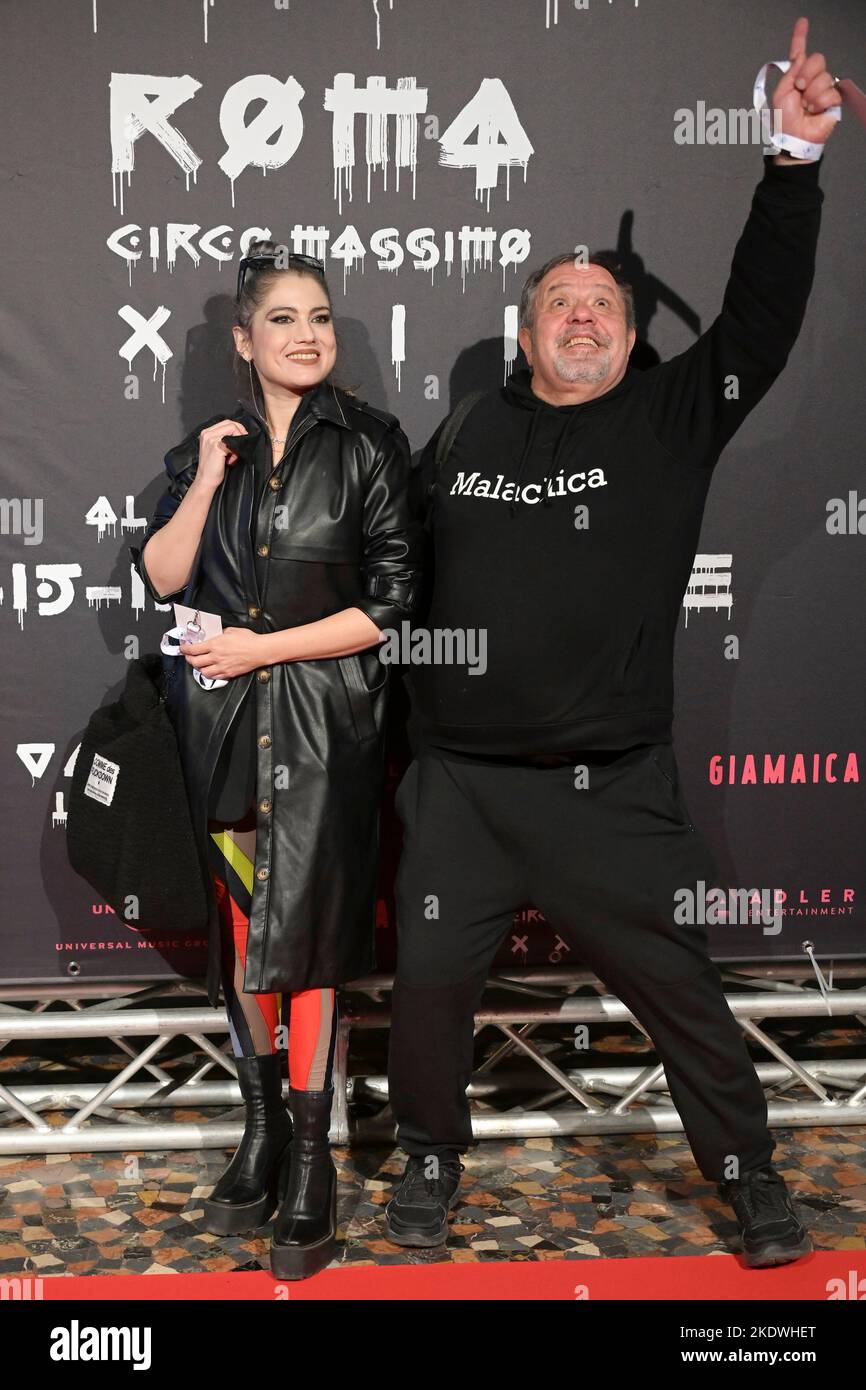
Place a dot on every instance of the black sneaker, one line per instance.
(417, 1214)
(771, 1230)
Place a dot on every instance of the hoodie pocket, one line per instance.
(629, 665)
(402, 792)
(664, 761)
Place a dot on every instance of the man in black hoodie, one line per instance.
(565, 522)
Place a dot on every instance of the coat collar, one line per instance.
(322, 401)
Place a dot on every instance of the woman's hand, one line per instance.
(236, 651)
(213, 455)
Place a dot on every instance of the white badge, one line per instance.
(204, 625)
(193, 625)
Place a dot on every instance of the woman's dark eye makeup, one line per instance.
(317, 318)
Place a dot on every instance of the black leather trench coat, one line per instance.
(334, 529)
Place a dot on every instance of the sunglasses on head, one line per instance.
(268, 256)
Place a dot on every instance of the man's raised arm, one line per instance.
(697, 400)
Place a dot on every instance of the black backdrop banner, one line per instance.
(432, 153)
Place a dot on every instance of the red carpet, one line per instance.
(686, 1278)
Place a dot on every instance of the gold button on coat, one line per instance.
(274, 483)
(254, 612)
(263, 549)
(261, 873)
(264, 741)
(264, 805)
(264, 674)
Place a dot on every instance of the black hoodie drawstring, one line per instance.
(512, 506)
(548, 500)
(526, 452)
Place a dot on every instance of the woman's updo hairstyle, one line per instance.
(257, 281)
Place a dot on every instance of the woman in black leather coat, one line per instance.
(293, 512)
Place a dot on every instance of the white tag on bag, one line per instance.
(102, 780)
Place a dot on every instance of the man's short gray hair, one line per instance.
(534, 279)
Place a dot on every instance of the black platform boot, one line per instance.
(247, 1192)
(305, 1230)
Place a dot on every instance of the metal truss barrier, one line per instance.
(106, 1117)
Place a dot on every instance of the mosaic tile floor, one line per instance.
(540, 1199)
(591, 1196)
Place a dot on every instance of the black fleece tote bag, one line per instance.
(129, 830)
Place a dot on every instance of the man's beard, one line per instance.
(586, 369)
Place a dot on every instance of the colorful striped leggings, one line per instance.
(305, 1020)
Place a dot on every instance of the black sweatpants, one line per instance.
(602, 862)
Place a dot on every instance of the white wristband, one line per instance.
(775, 143)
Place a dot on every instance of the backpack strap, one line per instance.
(449, 434)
